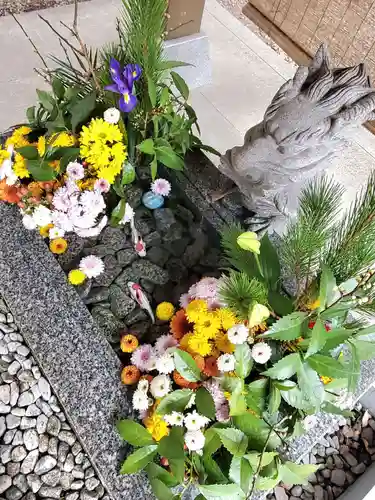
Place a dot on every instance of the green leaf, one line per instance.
(269, 261)
(328, 366)
(279, 303)
(365, 349)
(139, 459)
(205, 404)
(291, 473)
(256, 395)
(175, 401)
(284, 368)
(154, 470)
(267, 458)
(310, 385)
(134, 433)
(335, 338)
(186, 366)
(172, 446)
(58, 153)
(128, 174)
(237, 402)
(151, 91)
(327, 286)
(234, 440)
(286, 328)
(41, 171)
(331, 408)
(46, 100)
(147, 147)
(244, 361)
(319, 337)
(241, 473)
(293, 396)
(164, 96)
(163, 65)
(339, 310)
(354, 368)
(82, 109)
(255, 428)
(275, 399)
(58, 88)
(267, 483)
(28, 152)
(154, 168)
(181, 85)
(160, 490)
(169, 158)
(212, 441)
(219, 491)
(177, 466)
(30, 114)
(119, 211)
(213, 470)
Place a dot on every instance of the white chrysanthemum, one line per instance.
(75, 171)
(226, 362)
(151, 363)
(128, 215)
(261, 353)
(160, 386)
(238, 334)
(92, 266)
(62, 221)
(191, 401)
(165, 363)
(92, 202)
(174, 418)
(140, 401)
(42, 216)
(61, 199)
(195, 440)
(310, 422)
(56, 232)
(193, 421)
(143, 385)
(92, 231)
(29, 222)
(112, 115)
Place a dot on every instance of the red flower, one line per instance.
(312, 324)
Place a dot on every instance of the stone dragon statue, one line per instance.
(303, 129)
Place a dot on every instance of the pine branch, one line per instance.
(239, 292)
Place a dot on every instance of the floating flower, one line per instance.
(75, 171)
(180, 325)
(102, 185)
(227, 317)
(129, 343)
(151, 365)
(143, 385)
(226, 362)
(130, 375)
(28, 222)
(261, 353)
(195, 440)
(44, 231)
(92, 266)
(326, 380)
(112, 115)
(58, 246)
(207, 289)
(165, 342)
(196, 309)
(258, 314)
(208, 325)
(184, 300)
(223, 343)
(165, 363)
(42, 216)
(141, 356)
(222, 413)
(238, 334)
(199, 345)
(175, 418)
(193, 421)
(161, 187)
(156, 426)
(55, 232)
(165, 311)
(123, 84)
(210, 367)
(76, 277)
(182, 382)
(249, 241)
(199, 361)
(140, 401)
(160, 386)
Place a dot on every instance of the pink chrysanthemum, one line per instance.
(161, 187)
(184, 300)
(141, 357)
(216, 392)
(165, 342)
(222, 413)
(92, 266)
(206, 288)
(102, 185)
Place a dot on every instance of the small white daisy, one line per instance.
(175, 418)
(226, 362)
(165, 363)
(238, 334)
(140, 401)
(143, 385)
(160, 386)
(29, 222)
(161, 187)
(195, 440)
(55, 232)
(261, 353)
(42, 216)
(75, 171)
(92, 266)
(193, 421)
(112, 115)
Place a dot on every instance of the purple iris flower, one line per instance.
(123, 84)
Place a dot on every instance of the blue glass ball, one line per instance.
(152, 201)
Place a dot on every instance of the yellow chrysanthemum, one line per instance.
(227, 317)
(184, 342)
(4, 155)
(313, 305)
(156, 426)
(326, 380)
(195, 310)
(208, 325)
(102, 146)
(199, 345)
(19, 167)
(165, 311)
(76, 277)
(87, 184)
(224, 344)
(129, 343)
(44, 231)
(18, 139)
(41, 145)
(62, 140)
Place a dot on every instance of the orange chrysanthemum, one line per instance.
(129, 343)
(210, 367)
(58, 246)
(183, 382)
(130, 375)
(199, 361)
(8, 193)
(180, 325)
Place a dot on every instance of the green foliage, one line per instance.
(291, 473)
(172, 446)
(139, 459)
(175, 401)
(222, 491)
(134, 433)
(234, 440)
(238, 258)
(329, 367)
(285, 368)
(204, 403)
(186, 366)
(286, 328)
(244, 361)
(241, 473)
(319, 337)
(240, 292)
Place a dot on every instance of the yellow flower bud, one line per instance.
(258, 314)
(249, 241)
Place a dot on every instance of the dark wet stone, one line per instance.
(98, 294)
(133, 196)
(113, 237)
(158, 256)
(184, 214)
(152, 239)
(111, 271)
(128, 274)
(196, 250)
(154, 273)
(144, 221)
(126, 257)
(178, 247)
(99, 251)
(147, 286)
(176, 270)
(84, 289)
(71, 257)
(121, 303)
(107, 321)
(135, 316)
